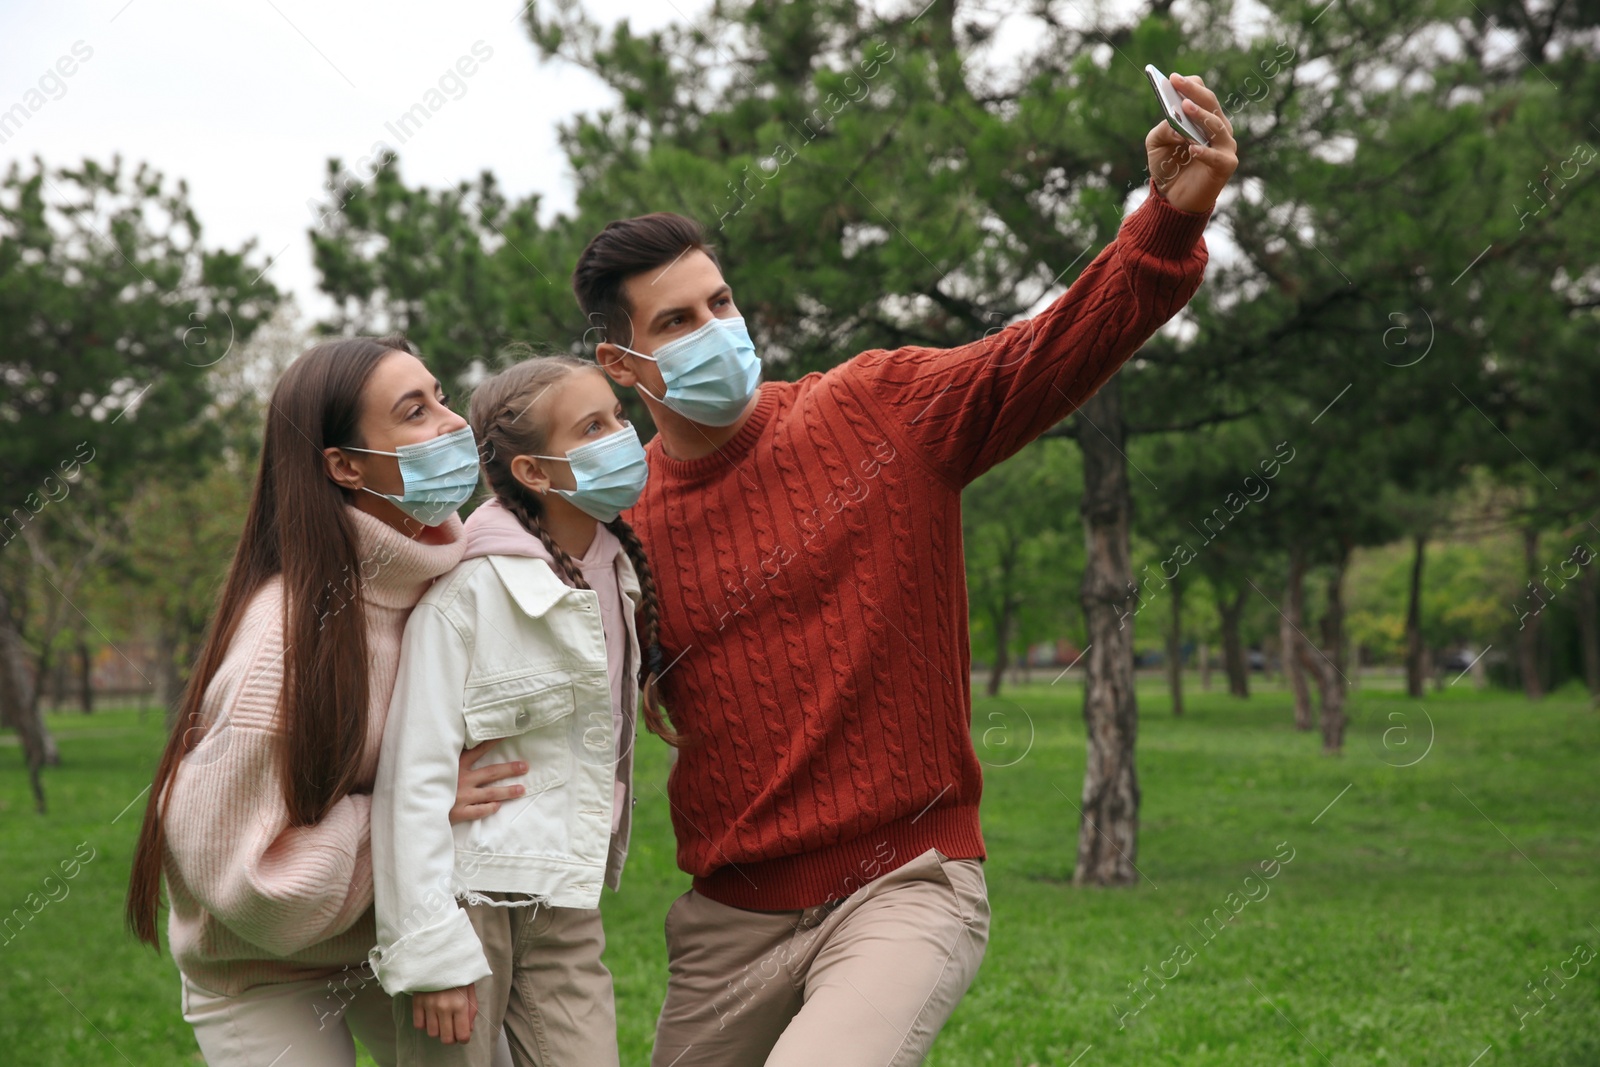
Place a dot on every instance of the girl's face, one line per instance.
(402, 404)
(578, 409)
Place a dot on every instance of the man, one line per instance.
(806, 541)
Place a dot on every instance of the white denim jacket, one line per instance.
(499, 647)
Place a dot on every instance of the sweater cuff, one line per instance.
(1160, 230)
(446, 955)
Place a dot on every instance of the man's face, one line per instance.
(668, 302)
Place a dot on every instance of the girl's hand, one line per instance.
(447, 1014)
(474, 797)
(1191, 176)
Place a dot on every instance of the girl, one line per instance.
(260, 812)
(531, 639)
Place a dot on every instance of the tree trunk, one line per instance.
(44, 673)
(1293, 616)
(44, 678)
(1333, 679)
(1205, 666)
(1233, 660)
(1414, 658)
(60, 669)
(1108, 832)
(1528, 650)
(1005, 618)
(85, 677)
(1002, 650)
(18, 707)
(169, 670)
(1175, 649)
(1589, 628)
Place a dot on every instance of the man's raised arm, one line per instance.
(966, 409)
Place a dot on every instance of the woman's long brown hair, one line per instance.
(297, 527)
(509, 421)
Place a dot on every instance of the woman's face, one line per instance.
(403, 404)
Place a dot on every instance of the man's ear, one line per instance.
(341, 470)
(526, 470)
(617, 364)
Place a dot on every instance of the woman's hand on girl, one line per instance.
(475, 798)
(447, 1014)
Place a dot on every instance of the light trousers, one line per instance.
(863, 982)
(549, 997)
(313, 1023)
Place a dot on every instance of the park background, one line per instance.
(1312, 578)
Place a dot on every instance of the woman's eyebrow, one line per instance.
(414, 394)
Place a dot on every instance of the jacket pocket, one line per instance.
(517, 705)
(538, 707)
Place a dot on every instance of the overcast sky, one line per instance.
(247, 99)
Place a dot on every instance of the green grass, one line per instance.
(1404, 930)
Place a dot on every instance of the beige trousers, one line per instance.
(550, 996)
(299, 1024)
(863, 982)
(309, 1023)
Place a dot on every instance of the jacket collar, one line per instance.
(531, 582)
(534, 586)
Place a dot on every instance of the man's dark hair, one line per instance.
(623, 249)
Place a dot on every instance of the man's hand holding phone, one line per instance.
(1191, 175)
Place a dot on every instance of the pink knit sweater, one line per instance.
(253, 900)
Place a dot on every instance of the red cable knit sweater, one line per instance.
(813, 594)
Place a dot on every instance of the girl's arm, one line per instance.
(425, 941)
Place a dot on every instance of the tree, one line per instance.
(106, 293)
(1202, 522)
(1011, 520)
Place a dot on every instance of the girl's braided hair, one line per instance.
(509, 421)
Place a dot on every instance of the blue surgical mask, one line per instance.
(610, 473)
(710, 374)
(438, 475)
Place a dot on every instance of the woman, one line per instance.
(261, 803)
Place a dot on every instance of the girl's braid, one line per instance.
(651, 669)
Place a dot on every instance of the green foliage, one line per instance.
(112, 309)
(1469, 588)
(456, 270)
(1023, 549)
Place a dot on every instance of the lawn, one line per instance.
(1419, 894)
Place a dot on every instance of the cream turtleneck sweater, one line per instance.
(253, 900)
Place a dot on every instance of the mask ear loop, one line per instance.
(374, 452)
(536, 455)
(638, 385)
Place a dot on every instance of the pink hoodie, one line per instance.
(494, 531)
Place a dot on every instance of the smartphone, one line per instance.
(1172, 106)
